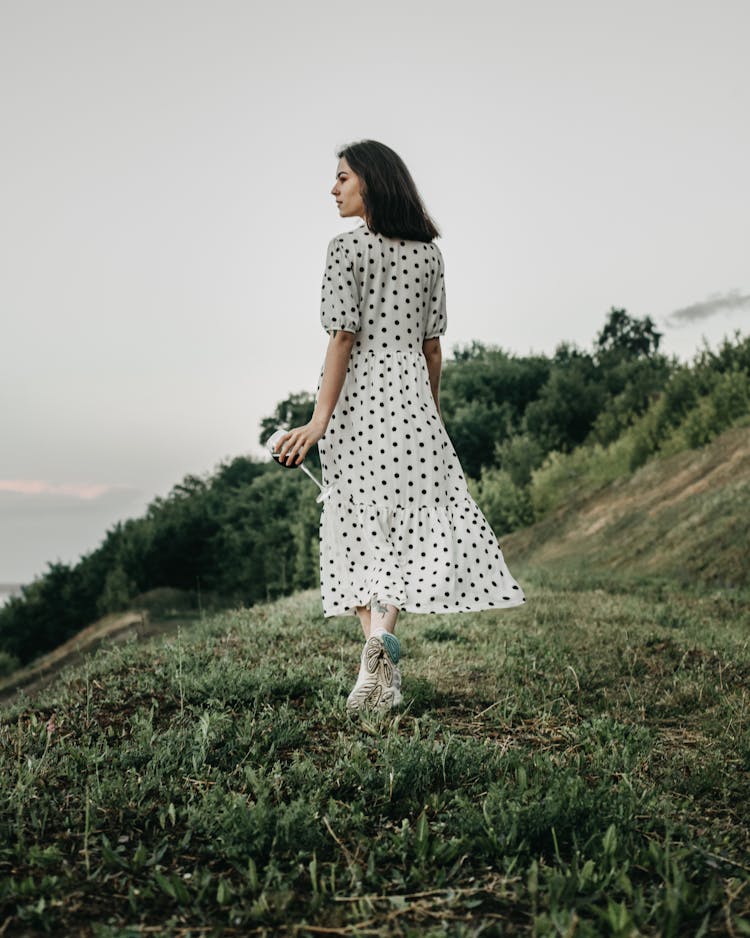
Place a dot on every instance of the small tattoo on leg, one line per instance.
(378, 606)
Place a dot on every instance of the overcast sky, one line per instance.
(165, 210)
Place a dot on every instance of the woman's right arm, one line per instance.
(338, 353)
(434, 358)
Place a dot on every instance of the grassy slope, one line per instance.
(683, 518)
(113, 627)
(579, 765)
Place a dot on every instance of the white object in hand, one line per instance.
(271, 444)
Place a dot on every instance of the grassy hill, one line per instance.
(576, 766)
(682, 519)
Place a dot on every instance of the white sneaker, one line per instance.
(366, 680)
(379, 680)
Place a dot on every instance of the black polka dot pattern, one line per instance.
(401, 523)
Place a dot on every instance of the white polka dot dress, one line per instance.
(401, 524)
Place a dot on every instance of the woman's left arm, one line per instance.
(300, 439)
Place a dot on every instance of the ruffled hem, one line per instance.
(425, 559)
(409, 607)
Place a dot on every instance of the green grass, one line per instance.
(577, 766)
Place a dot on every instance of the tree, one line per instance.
(118, 589)
(483, 396)
(626, 337)
(568, 404)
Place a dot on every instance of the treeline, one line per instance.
(597, 416)
(530, 431)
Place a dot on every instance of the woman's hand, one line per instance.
(298, 441)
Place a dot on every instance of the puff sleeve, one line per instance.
(437, 318)
(339, 302)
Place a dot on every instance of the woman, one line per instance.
(401, 530)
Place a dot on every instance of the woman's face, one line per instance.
(346, 191)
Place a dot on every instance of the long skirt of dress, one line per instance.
(401, 525)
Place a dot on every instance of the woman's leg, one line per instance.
(364, 618)
(378, 673)
(382, 614)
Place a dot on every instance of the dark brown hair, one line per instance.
(392, 203)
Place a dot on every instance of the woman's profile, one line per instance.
(400, 531)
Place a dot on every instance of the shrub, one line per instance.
(519, 455)
(505, 505)
(727, 401)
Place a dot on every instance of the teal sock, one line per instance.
(392, 646)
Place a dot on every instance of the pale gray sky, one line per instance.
(165, 209)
